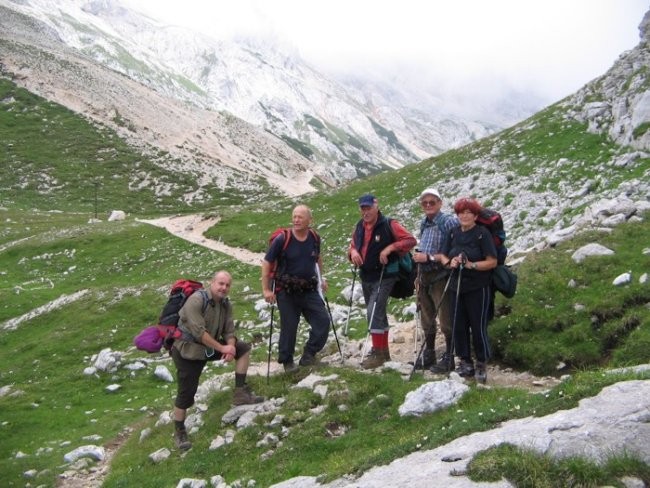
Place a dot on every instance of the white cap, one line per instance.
(430, 191)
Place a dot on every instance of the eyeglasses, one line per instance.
(428, 203)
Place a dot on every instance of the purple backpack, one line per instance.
(149, 339)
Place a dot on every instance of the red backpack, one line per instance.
(167, 326)
(491, 219)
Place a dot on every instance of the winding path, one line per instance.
(192, 227)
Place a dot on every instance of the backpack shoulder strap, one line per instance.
(442, 220)
(286, 233)
(204, 295)
(317, 239)
(389, 225)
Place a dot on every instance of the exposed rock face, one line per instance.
(237, 113)
(618, 103)
(612, 423)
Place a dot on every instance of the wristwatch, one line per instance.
(473, 266)
(431, 258)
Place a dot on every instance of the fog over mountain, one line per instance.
(293, 127)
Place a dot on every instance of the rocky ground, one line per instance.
(403, 347)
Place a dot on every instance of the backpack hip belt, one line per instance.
(294, 285)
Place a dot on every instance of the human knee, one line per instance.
(242, 348)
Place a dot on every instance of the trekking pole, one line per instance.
(435, 316)
(416, 335)
(333, 327)
(327, 303)
(417, 352)
(372, 314)
(347, 321)
(453, 324)
(268, 362)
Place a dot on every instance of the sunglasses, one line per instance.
(428, 203)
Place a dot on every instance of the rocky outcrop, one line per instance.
(618, 103)
(614, 422)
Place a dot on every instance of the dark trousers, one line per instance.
(470, 324)
(291, 307)
(376, 294)
(188, 372)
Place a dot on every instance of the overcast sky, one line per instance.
(550, 46)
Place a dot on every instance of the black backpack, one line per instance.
(504, 280)
(167, 327)
(178, 295)
(492, 221)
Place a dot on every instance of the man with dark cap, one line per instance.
(432, 278)
(377, 243)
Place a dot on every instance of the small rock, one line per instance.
(160, 455)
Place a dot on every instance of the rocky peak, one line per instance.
(644, 27)
(618, 103)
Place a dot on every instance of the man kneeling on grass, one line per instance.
(208, 335)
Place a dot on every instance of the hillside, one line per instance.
(75, 290)
(235, 114)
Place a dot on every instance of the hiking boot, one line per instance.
(426, 359)
(465, 369)
(290, 367)
(182, 440)
(481, 373)
(307, 359)
(444, 366)
(244, 396)
(376, 358)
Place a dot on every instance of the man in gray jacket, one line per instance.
(208, 335)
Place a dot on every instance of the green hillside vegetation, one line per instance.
(54, 159)
(48, 249)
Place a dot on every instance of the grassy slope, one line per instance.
(126, 267)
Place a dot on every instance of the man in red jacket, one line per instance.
(377, 243)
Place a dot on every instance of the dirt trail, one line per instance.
(402, 346)
(192, 227)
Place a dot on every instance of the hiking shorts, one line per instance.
(188, 372)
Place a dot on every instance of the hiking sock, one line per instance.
(384, 341)
(377, 340)
(240, 380)
(430, 341)
(179, 424)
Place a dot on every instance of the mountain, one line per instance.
(76, 290)
(237, 113)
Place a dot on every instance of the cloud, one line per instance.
(550, 46)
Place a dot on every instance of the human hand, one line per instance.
(356, 258)
(269, 296)
(420, 257)
(228, 353)
(459, 260)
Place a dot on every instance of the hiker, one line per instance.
(291, 275)
(207, 336)
(471, 254)
(376, 244)
(431, 281)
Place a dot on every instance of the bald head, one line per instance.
(220, 285)
(301, 219)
